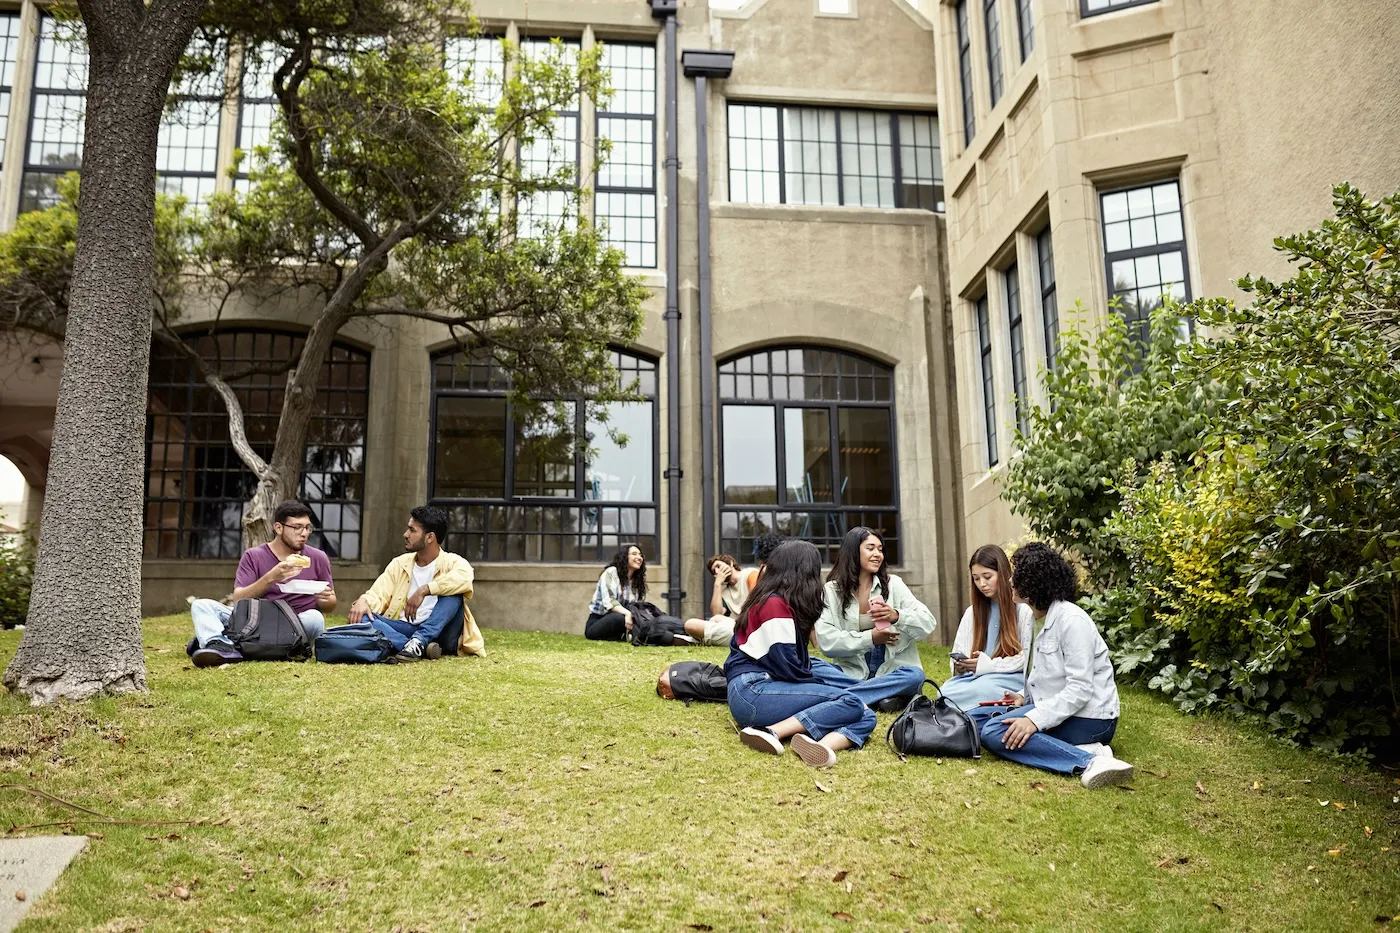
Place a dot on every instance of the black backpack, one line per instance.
(267, 630)
(699, 681)
(650, 626)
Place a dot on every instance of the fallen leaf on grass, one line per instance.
(182, 892)
(1052, 866)
(606, 872)
(842, 915)
(1217, 906)
(967, 805)
(699, 926)
(1037, 785)
(1169, 861)
(101, 836)
(895, 874)
(1323, 803)
(840, 875)
(20, 896)
(1339, 805)
(822, 787)
(585, 767)
(1258, 786)
(1368, 831)
(1335, 852)
(1201, 789)
(970, 771)
(538, 904)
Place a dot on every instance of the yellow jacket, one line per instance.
(452, 577)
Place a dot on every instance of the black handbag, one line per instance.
(936, 727)
(651, 626)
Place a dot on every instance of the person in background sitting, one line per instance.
(1069, 712)
(422, 592)
(261, 572)
(993, 658)
(730, 590)
(763, 548)
(871, 624)
(623, 580)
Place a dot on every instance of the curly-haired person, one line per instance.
(1068, 713)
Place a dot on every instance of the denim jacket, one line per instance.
(840, 638)
(1071, 672)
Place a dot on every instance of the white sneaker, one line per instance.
(1096, 748)
(813, 752)
(1104, 772)
(761, 740)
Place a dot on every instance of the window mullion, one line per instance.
(895, 163)
(509, 484)
(782, 156)
(780, 436)
(833, 423)
(840, 163)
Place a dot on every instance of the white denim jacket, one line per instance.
(1071, 672)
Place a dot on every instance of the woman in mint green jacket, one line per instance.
(871, 625)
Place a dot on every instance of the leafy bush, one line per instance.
(16, 574)
(1245, 556)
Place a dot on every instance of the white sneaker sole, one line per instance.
(813, 752)
(761, 740)
(1108, 774)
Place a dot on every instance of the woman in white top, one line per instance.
(989, 659)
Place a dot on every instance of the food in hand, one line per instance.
(299, 560)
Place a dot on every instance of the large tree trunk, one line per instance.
(83, 632)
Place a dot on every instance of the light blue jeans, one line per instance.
(210, 616)
(903, 680)
(426, 630)
(756, 699)
(967, 690)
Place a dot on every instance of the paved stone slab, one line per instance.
(29, 867)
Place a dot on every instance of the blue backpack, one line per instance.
(354, 644)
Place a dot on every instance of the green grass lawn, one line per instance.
(546, 787)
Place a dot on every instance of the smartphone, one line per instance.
(995, 703)
(958, 656)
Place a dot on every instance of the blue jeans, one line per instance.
(1051, 750)
(426, 630)
(901, 681)
(758, 700)
(210, 616)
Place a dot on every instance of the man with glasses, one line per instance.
(261, 573)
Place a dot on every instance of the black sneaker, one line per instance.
(413, 651)
(216, 653)
(433, 651)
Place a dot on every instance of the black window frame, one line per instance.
(1113, 7)
(1049, 298)
(12, 38)
(251, 389)
(599, 189)
(1016, 341)
(996, 64)
(568, 42)
(29, 168)
(969, 104)
(982, 320)
(1140, 326)
(1025, 28)
(896, 145)
(498, 388)
(836, 513)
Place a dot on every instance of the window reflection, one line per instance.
(807, 437)
(750, 454)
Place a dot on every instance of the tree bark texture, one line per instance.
(83, 631)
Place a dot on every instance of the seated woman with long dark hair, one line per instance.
(871, 624)
(993, 655)
(774, 691)
(622, 581)
(1069, 710)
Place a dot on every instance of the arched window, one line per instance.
(196, 485)
(808, 448)
(525, 493)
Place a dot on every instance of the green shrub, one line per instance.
(1237, 498)
(16, 574)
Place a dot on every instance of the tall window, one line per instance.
(989, 391)
(1017, 333)
(554, 153)
(626, 188)
(257, 109)
(480, 60)
(9, 47)
(1144, 250)
(520, 492)
(1025, 28)
(1095, 7)
(807, 449)
(969, 112)
(188, 146)
(809, 155)
(56, 118)
(196, 485)
(996, 73)
(1049, 311)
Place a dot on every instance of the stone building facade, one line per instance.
(854, 353)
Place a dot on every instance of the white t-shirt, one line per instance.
(422, 576)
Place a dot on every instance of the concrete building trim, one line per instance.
(829, 97)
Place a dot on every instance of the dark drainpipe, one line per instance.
(701, 65)
(666, 9)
